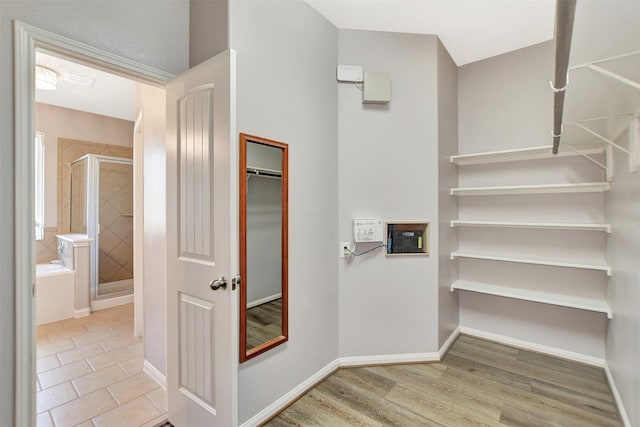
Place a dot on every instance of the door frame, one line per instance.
(27, 39)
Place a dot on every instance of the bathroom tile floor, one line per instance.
(89, 374)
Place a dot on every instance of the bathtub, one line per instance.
(55, 293)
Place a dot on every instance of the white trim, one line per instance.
(448, 343)
(39, 154)
(264, 300)
(538, 348)
(382, 359)
(82, 312)
(138, 226)
(617, 396)
(103, 304)
(78, 240)
(345, 362)
(154, 373)
(292, 395)
(23, 77)
(91, 56)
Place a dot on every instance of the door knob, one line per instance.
(218, 283)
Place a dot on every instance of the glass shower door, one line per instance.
(115, 225)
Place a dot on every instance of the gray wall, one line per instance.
(623, 247)
(618, 33)
(448, 310)
(286, 90)
(208, 29)
(388, 170)
(505, 102)
(133, 29)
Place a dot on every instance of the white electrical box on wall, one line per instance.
(350, 73)
(377, 87)
(368, 230)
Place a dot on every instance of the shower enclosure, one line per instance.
(102, 208)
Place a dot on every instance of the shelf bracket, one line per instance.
(633, 134)
(609, 154)
(588, 157)
(614, 76)
(597, 135)
(633, 137)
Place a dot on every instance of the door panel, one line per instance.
(196, 173)
(197, 319)
(202, 330)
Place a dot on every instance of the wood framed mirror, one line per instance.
(263, 245)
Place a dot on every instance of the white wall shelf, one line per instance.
(599, 266)
(591, 304)
(531, 153)
(524, 224)
(582, 187)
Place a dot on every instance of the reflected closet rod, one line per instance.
(565, 14)
(264, 172)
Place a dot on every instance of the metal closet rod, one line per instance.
(264, 172)
(565, 14)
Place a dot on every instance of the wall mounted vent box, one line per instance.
(377, 87)
(407, 238)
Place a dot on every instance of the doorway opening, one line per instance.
(86, 348)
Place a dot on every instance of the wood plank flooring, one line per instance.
(478, 383)
(264, 323)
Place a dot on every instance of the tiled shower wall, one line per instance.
(116, 223)
(47, 249)
(68, 151)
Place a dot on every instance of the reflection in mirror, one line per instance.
(263, 245)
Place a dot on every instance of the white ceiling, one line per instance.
(109, 95)
(471, 30)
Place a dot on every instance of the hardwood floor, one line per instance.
(264, 323)
(478, 383)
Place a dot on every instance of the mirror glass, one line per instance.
(263, 245)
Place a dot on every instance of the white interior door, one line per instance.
(202, 170)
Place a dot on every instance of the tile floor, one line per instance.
(89, 374)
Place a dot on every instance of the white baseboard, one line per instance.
(345, 362)
(539, 348)
(154, 373)
(296, 392)
(103, 304)
(616, 396)
(83, 312)
(264, 300)
(383, 359)
(448, 343)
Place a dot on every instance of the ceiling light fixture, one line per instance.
(46, 79)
